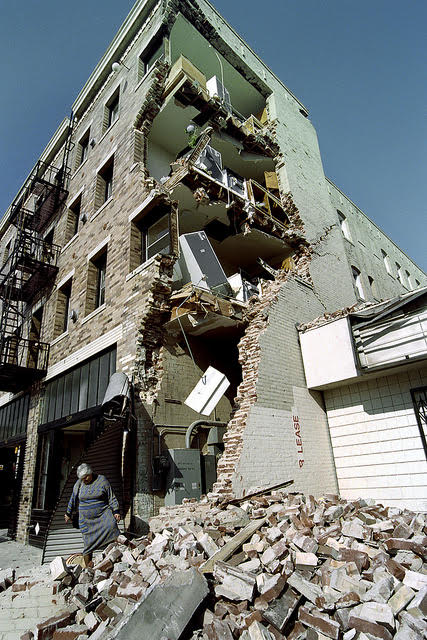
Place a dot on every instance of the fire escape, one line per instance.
(30, 268)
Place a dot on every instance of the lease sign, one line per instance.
(298, 439)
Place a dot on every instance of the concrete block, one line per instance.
(415, 580)
(257, 631)
(406, 633)
(378, 613)
(319, 622)
(305, 560)
(366, 626)
(309, 590)
(166, 611)
(380, 592)
(400, 599)
(58, 568)
(235, 584)
(281, 609)
(419, 603)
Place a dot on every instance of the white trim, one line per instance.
(107, 158)
(93, 313)
(69, 242)
(78, 169)
(85, 352)
(78, 194)
(58, 338)
(65, 279)
(141, 267)
(107, 131)
(101, 208)
(98, 248)
(151, 196)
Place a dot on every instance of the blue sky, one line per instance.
(358, 66)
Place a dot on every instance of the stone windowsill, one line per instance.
(101, 208)
(141, 268)
(94, 313)
(69, 242)
(58, 338)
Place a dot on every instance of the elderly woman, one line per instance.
(98, 509)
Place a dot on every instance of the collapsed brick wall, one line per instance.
(148, 366)
(250, 358)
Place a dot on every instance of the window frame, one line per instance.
(147, 56)
(112, 110)
(104, 182)
(83, 148)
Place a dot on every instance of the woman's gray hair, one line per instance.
(83, 470)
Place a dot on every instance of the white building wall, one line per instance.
(376, 441)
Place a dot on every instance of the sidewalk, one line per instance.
(30, 600)
(18, 556)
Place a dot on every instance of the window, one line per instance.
(417, 283)
(101, 268)
(358, 283)
(62, 314)
(104, 183)
(386, 261)
(73, 217)
(6, 253)
(149, 56)
(111, 111)
(373, 287)
(82, 149)
(400, 274)
(344, 226)
(149, 236)
(95, 292)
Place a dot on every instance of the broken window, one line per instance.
(400, 275)
(386, 261)
(358, 283)
(344, 226)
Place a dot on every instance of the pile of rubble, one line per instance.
(277, 566)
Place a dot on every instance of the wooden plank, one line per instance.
(261, 492)
(232, 545)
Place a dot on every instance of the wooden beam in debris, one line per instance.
(232, 545)
(260, 492)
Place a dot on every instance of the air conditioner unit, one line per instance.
(216, 88)
(235, 182)
(210, 160)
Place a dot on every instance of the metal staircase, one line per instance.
(29, 270)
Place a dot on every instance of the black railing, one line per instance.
(23, 353)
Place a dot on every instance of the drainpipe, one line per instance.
(198, 423)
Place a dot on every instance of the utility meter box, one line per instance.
(184, 479)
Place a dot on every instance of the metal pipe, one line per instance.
(198, 423)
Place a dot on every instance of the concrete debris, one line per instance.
(284, 565)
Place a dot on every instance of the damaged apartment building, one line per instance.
(155, 265)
